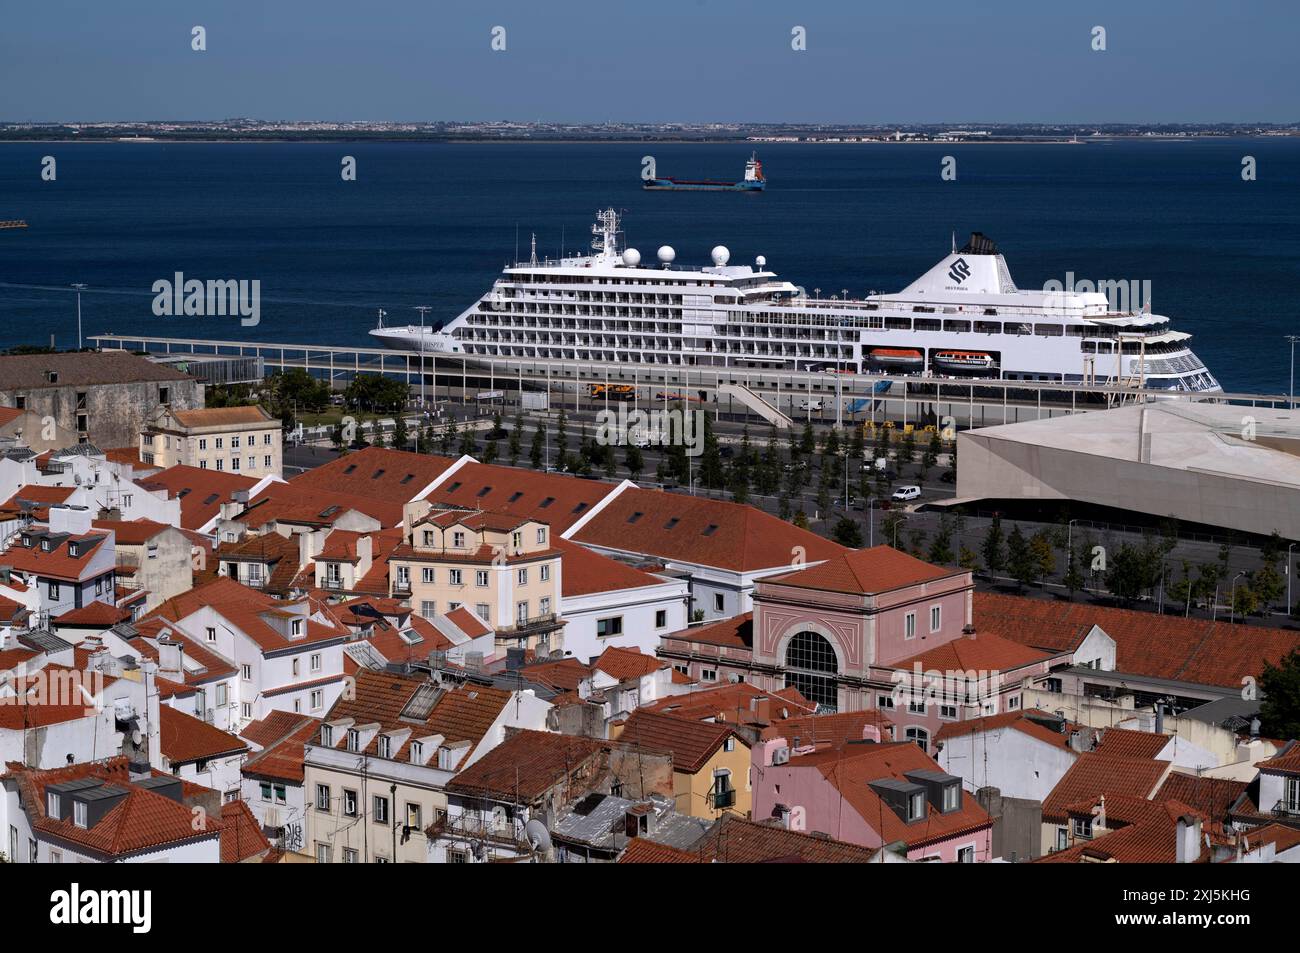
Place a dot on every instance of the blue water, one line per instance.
(432, 224)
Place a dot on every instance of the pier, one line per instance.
(822, 397)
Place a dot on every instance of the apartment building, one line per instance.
(243, 440)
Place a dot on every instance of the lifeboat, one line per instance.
(963, 360)
(906, 358)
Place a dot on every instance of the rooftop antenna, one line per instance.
(516, 244)
(532, 258)
(954, 241)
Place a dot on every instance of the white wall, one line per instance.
(638, 608)
(1007, 759)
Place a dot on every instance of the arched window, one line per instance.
(920, 736)
(811, 668)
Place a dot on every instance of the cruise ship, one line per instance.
(964, 318)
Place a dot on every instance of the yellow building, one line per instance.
(243, 440)
(711, 761)
(502, 568)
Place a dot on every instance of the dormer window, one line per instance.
(27, 541)
(354, 740)
(417, 752)
(327, 735)
(72, 550)
(951, 797)
(385, 746)
(45, 545)
(458, 540)
(295, 628)
(517, 540)
(916, 806)
(79, 814)
(52, 806)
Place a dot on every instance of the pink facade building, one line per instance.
(871, 794)
(870, 629)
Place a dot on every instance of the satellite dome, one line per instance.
(631, 257)
(760, 262)
(720, 255)
(667, 254)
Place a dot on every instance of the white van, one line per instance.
(905, 493)
(810, 403)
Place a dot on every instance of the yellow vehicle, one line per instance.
(613, 391)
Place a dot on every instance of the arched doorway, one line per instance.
(811, 667)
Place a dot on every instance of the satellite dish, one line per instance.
(538, 835)
(631, 257)
(720, 255)
(667, 254)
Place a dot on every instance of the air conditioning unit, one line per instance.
(781, 755)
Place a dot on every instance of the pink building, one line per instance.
(871, 794)
(869, 629)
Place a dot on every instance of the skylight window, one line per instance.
(454, 487)
(483, 492)
(350, 467)
(209, 499)
(183, 493)
(516, 495)
(635, 516)
(671, 523)
(546, 502)
(378, 473)
(408, 478)
(580, 507)
(710, 529)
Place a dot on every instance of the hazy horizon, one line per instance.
(687, 61)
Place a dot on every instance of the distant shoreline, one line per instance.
(748, 143)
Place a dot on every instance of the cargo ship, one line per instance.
(752, 182)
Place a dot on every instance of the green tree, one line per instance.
(515, 445)
(562, 442)
(968, 560)
(1126, 574)
(847, 532)
(1020, 558)
(907, 451)
(941, 545)
(634, 460)
(891, 528)
(800, 518)
(468, 441)
(993, 548)
(808, 440)
(535, 451)
(1074, 579)
(1043, 554)
(1279, 687)
(401, 436)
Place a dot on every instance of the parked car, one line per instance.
(905, 493)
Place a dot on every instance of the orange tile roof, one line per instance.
(313, 506)
(143, 821)
(1281, 836)
(10, 414)
(1152, 840)
(1213, 797)
(34, 493)
(95, 615)
(691, 743)
(1094, 774)
(266, 731)
(221, 416)
(131, 532)
(185, 739)
(1286, 761)
(852, 769)
(707, 532)
(562, 675)
(738, 632)
(835, 730)
(57, 563)
(1022, 721)
(585, 571)
(738, 703)
(1171, 647)
(980, 653)
(642, 851)
(555, 499)
(377, 473)
(11, 611)
(128, 455)
(1130, 743)
(200, 491)
(241, 835)
(468, 622)
(859, 571)
(735, 840)
(279, 553)
(281, 758)
(624, 664)
(244, 608)
(527, 765)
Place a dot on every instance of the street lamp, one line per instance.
(423, 309)
(1232, 600)
(1291, 392)
(1289, 603)
(81, 287)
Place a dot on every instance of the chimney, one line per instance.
(1160, 716)
(1189, 839)
(69, 519)
(871, 733)
(171, 656)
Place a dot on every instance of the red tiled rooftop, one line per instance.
(585, 572)
(200, 491)
(552, 498)
(1094, 774)
(866, 571)
(526, 765)
(376, 473)
(691, 743)
(703, 531)
(185, 739)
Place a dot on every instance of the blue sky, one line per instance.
(654, 60)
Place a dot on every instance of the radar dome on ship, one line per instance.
(667, 254)
(760, 262)
(631, 257)
(720, 255)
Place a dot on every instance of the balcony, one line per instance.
(722, 800)
(548, 622)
